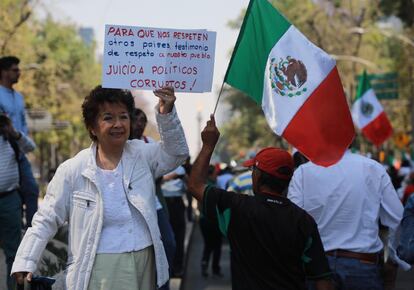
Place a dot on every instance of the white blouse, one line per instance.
(124, 228)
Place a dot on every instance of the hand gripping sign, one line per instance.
(149, 58)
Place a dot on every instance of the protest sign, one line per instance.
(148, 58)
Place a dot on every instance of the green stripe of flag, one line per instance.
(363, 85)
(262, 27)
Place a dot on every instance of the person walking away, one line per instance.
(12, 144)
(212, 236)
(274, 244)
(189, 210)
(347, 200)
(106, 194)
(173, 189)
(12, 103)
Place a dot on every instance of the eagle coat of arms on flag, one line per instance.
(288, 76)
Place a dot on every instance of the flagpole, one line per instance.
(218, 99)
(232, 56)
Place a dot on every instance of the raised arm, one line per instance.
(198, 176)
(166, 99)
(172, 151)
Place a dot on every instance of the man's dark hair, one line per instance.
(405, 163)
(299, 159)
(276, 184)
(354, 144)
(6, 62)
(225, 170)
(97, 97)
(139, 112)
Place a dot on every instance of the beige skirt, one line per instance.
(125, 271)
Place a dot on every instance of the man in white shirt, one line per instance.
(347, 200)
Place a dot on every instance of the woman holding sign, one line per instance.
(106, 193)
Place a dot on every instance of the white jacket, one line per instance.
(73, 195)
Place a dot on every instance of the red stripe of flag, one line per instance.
(378, 130)
(322, 129)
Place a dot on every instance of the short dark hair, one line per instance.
(299, 159)
(138, 112)
(276, 184)
(97, 97)
(6, 62)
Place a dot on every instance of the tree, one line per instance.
(14, 15)
(59, 69)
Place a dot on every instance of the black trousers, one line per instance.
(212, 244)
(176, 209)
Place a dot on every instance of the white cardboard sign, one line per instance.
(147, 58)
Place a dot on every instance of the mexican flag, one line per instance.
(296, 83)
(368, 114)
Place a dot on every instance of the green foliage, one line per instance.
(13, 16)
(59, 69)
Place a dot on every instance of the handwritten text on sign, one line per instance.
(149, 58)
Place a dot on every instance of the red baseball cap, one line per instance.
(270, 160)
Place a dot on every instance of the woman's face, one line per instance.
(112, 126)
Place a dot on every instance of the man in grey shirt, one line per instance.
(12, 144)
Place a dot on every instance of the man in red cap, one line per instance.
(274, 244)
